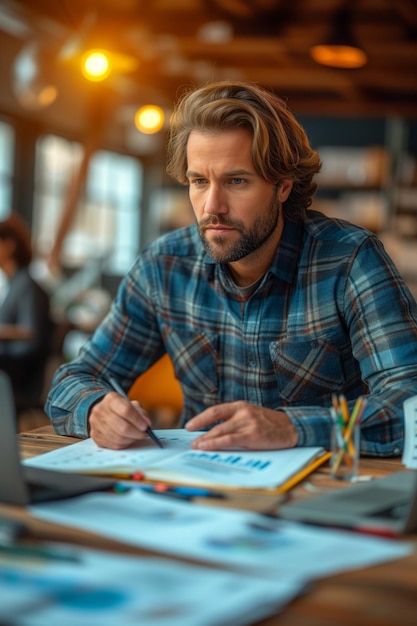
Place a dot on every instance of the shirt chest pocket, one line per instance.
(306, 369)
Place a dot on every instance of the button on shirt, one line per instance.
(331, 315)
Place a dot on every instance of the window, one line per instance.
(114, 189)
(106, 226)
(7, 146)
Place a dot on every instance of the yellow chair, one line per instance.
(160, 393)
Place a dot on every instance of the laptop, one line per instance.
(22, 485)
(386, 506)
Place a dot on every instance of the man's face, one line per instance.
(237, 211)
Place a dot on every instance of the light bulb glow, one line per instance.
(348, 57)
(96, 65)
(149, 119)
(47, 95)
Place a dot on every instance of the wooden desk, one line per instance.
(384, 595)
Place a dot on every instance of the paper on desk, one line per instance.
(410, 433)
(243, 539)
(177, 462)
(86, 455)
(102, 589)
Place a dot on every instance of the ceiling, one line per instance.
(176, 43)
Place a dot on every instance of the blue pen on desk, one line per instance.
(197, 492)
(184, 491)
(121, 392)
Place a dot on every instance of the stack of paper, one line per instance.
(270, 548)
(101, 589)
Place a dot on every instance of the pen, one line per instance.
(120, 391)
(305, 471)
(117, 475)
(344, 409)
(180, 490)
(184, 490)
(197, 492)
(361, 529)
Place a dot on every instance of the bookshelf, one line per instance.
(369, 177)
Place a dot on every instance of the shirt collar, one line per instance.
(285, 263)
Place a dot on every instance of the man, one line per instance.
(265, 307)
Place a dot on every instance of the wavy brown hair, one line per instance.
(280, 147)
(16, 229)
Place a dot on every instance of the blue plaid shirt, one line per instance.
(331, 315)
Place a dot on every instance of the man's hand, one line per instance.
(117, 423)
(243, 426)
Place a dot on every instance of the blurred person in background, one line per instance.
(24, 314)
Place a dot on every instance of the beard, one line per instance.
(249, 241)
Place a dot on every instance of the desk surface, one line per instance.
(384, 595)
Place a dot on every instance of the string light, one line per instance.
(149, 119)
(96, 65)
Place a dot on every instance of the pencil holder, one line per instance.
(345, 449)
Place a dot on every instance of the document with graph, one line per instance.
(177, 462)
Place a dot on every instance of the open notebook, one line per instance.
(22, 485)
(384, 505)
(176, 462)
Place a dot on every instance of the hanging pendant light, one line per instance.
(340, 49)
